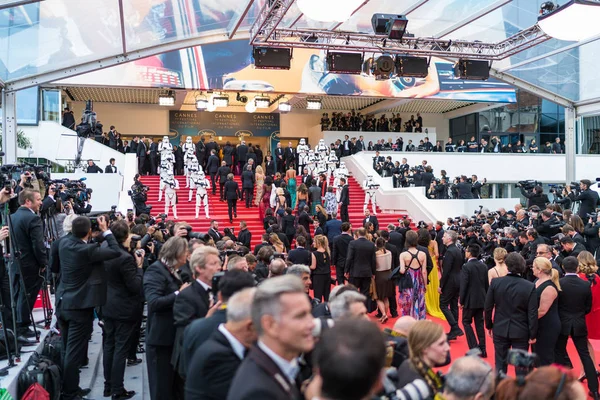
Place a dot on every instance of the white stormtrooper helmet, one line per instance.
(188, 140)
(310, 152)
(201, 175)
(342, 164)
(165, 140)
(321, 142)
(302, 142)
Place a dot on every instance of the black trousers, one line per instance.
(153, 165)
(75, 328)
(118, 336)
(362, 284)
(161, 376)
(221, 185)
(142, 165)
(393, 303)
(135, 339)
(213, 177)
(321, 286)
(5, 295)
(26, 296)
(339, 274)
(501, 347)
(344, 213)
(248, 194)
(449, 306)
(468, 315)
(580, 342)
(232, 207)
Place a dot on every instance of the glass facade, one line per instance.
(27, 106)
(51, 105)
(529, 118)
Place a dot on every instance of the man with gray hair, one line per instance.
(303, 272)
(215, 363)
(469, 378)
(349, 304)
(237, 262)
(282, 319)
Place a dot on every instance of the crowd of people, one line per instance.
(355, 121)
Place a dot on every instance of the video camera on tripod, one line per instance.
(89, 125)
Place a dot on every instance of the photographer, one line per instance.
(139, 196)
(476, 188)
(463, 187)
(535, 194)
(121, 312)
(378, 162)
(547, 224)
(588, 198)
(591, 233)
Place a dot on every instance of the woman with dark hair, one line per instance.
(302, 197)
(413, 262)
(384, 286)
(269, 219)
(265, 203)
(288, 224)
(432, 296)
(550, 382)
(321, 268)
(588, 270)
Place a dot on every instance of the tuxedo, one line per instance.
(200, 152)
(338, 255)
(270, 168)
(279, 159)
(373, 219)
(344, 203)
(300, 256)
(215, 234)
(361, 263)
(450, 285)
(141, 154)
(197, 333)
(110, 169)
(289, 156)
(473, 287)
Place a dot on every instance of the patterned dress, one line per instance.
(412, 301)
(260, 180)
(331, 204)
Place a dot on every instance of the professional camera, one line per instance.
(373, 186)
(89, 126)
(205, 237)
(528, 184)
(139, 196)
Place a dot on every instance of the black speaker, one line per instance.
(345, 63)
(472, 69)
(272, 58)
(416, 67)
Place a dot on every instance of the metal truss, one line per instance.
(266, 32)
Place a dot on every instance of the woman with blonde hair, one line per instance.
(588, 271)
(500, 269)
(384, 286)
(428, 347)
(276, 243)
(259, 176)
(321, 268)
(280, 202)
(546, 288)
(290, 178)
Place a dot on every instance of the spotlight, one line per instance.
(391, 25)
(574, 21)
(250, 107)
(416, 67)
(221, 100)
(313, 104)
(285, 106)
(201, 104)
(167, 100)
(262, 101)
(383, 67)
(472, 69)
(241, 98)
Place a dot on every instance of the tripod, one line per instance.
(50, 235)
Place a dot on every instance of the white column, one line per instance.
(9, 127)
(570, 143)
(495, 191)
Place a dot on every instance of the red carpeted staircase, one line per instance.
(218, 209)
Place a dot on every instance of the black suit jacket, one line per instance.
(252, 380)
(159, 290)
(574, 302)
(124, 294)
(223, 172)
(345, 196)
(373, 219)
(473, 284)
(288, 224)
(197, 333)
(340, 250)
(212, 369)
(28, 234)
(305, 220)
(516, 308)
(141, 150)
(451, 265)
(300, 256)
(270, 167)
(212, 165)
(242, 153)
(247, 180)
(83, 276)
(395, 254)
(397, 239)
(109, 169)
(231, 190)
(215, 235)
(361, 259)
(589, 200)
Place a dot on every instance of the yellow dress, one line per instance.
(432, 297)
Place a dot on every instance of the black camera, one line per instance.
(215, 283)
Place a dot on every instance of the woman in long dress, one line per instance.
(265, 201)
(384, 286)
(331, 203)
(290, 177)
(413, 262)
(260, 180)
(432, 299)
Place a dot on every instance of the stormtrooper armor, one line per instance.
(199, 182)
(189, 155)
(302, 151)
(322, 150)
(332, 162)
(165, 147)
(321, 168)
(166, 170)
(340, 172)
(310, 162)
(171, 186)
(370, 188)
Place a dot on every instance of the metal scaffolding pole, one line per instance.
(9, 127)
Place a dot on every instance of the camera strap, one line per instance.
(263, 361)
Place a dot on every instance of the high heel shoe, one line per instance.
(383, 319)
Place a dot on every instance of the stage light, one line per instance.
(220, 100)
(262, 101)
(416, 67)
(383, 67)
(167, 100)
(201, 104)
(574, 21)
(250, 107)
(391, 25)
(313, 104)
(328, 10)
(285, 106)
(472, 69)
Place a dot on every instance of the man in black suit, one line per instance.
(153, 157)
(82, 287)
(340, 251)
(244, 236)
(231, 194)
(214, 364)
(360, 262)
(281, 315)
(200, 330)
(304, 219)
(141, 153)
(212, 166)
(473, 287)
(222, 172)
(463, 188)
(588, 198)
(300, 255)
(279, 158)
(28, 236)
(92, 168)
(126, 147)
(333, 228)
(213, 231)
(347, 146)
(513, 302)
(289, 156)
(212, 145)
(570, 249)
(344, 201)
(450, 283)
(121, 311)
(241, 155)
(194, 302)
(476, 186)
(201, 151)
(574, 302)
(397, 236)
(270, 166)
(370, 218)
(112, 138)
(248, 185)
(111, 168)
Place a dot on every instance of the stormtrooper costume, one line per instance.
(302, 150)
(199, 182)
(189, 155)
(171, 187)
(310, 162)
(321, 168)
(340, 172)
(165, 147)
(322, 150)
(332, 162)
(370, 194)
(166, 170)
